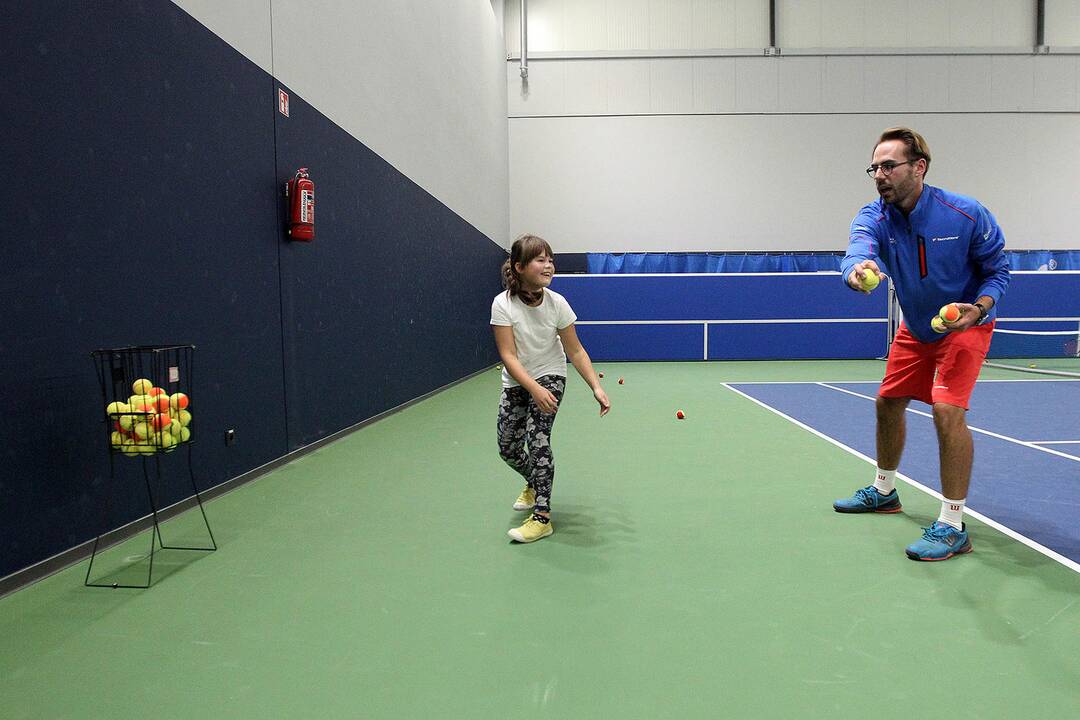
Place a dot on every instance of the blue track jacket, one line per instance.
(949, 249)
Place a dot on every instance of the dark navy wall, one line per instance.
(393, 297)
(144, 207)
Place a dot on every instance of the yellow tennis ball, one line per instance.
(129, 449)
(185, 435)
(870, 280)
(184, 417)
(116, 408)
(949, 313)
(142, 386)
(937, 324)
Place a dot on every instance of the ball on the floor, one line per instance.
(620, 381)
(679, 414)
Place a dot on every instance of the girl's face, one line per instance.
(536, 273)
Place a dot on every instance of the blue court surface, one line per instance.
(1026, 477)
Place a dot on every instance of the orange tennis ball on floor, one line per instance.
(600, 374)
(679, 414)
(950, 313)
(620, 381)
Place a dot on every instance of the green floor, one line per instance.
(697, 570)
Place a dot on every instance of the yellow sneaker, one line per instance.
(526, 500)
(532, 530)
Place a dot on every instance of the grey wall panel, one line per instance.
(775, 182)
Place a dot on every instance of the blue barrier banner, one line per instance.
(677, 262)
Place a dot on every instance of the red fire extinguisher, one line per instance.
(301, 194)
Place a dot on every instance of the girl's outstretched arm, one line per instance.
(575, 352)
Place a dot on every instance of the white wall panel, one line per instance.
(714, 85)
(547, 25)
(905, 23)
(971, 23)
(927, 83)
(844, 84)
(1012, 79)
(671, 25)
(584, 26)
(884, 84)
(543, 94)
(714, 24)
(585, 87)
(969, 82)
(1056, 83)
(757, 84)
(843, 23)
(798, 23)
(800, 84)
(671, 84)
(629, 25)
(751, 23)
(928, 23)
(774, 182)
(628, 87)
(1063, 22)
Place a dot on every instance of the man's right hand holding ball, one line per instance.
(865, 276)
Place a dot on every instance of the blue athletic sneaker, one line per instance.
(940, 541)
(868, 499)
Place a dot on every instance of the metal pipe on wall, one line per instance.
(524, 40)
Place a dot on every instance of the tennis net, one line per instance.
(1048, 352)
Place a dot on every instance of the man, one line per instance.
(938, 248)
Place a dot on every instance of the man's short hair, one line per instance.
(913, 141)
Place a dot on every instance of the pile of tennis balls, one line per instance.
(150, 421)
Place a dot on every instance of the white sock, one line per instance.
(952, 513)
(885, 481)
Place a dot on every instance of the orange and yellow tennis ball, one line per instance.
(680, 414)
(178, 401)
(949, 313)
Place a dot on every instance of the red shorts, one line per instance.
(943, 371)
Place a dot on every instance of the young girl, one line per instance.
(534, 331)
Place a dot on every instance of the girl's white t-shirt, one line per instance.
(536, 332)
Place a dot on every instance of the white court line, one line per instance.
(1056, 442)
(1057, 557)
(1006, 438)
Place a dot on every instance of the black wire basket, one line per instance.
(145, 396)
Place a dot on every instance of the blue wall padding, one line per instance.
(681, 262)
(393, 298)
(1044, 294)
(149, 212)
(642, 342)
(717, 297)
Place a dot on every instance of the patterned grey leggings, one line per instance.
(521, 423)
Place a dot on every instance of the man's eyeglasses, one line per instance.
(887, 167)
